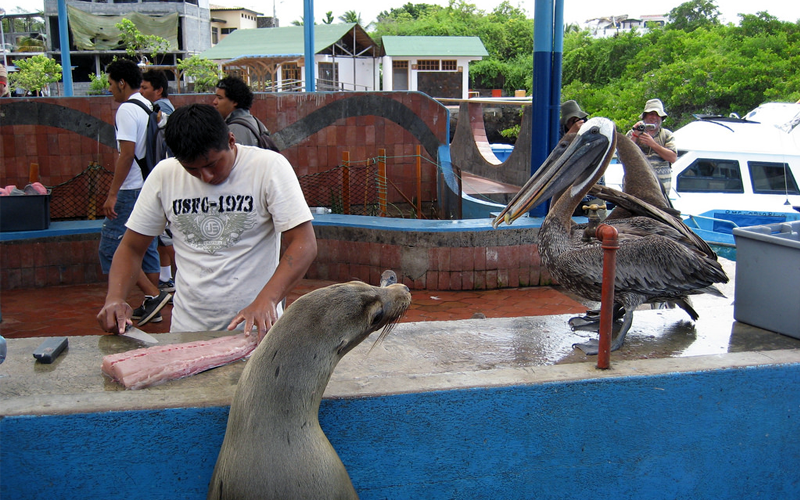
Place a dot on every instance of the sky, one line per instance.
(575, 11)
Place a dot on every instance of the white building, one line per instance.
(612, 25)
(436, 65)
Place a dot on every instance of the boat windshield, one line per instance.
(711, 175)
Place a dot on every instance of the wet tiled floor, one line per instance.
(71, 310)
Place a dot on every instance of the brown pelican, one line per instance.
(659, 259)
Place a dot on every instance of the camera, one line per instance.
(644, 126)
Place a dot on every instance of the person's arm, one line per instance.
(665, 154)
(127, 153)
(648, 140)
(125, 269)
(300, 251)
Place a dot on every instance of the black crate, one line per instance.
(24, 213)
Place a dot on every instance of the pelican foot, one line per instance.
(591, 319)
(590, 348)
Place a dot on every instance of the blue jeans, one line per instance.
(114, 229)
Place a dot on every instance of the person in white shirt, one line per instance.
(229, 207)
(124, 79)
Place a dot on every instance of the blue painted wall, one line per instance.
(719, 434)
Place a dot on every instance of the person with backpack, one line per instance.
(155, 87)
(131, 123)
(233, 99)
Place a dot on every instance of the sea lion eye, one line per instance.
(378, 317)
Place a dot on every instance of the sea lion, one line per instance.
(274, 447)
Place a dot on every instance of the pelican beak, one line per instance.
(568, 164)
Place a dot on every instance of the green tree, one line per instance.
(137, 44)
(99, 84)
(407, 12)
(328, 18)
(30, 44)
(35, 73)
(204, 72)
(689, 16)
(351, 16)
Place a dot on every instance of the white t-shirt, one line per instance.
(226, 236)
(131, 124)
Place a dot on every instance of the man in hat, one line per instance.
(3, 81)
(572, 117)
(656, 142)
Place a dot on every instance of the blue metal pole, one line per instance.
(308, 30)
(542, 81)
(63, 37)
(555, 72)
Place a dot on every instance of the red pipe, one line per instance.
(608, 235)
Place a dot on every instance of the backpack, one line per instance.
(155, 147)
(262, 134)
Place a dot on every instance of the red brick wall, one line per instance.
(452, 268)
(62, 154)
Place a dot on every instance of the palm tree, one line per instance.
(29, 44)
(351, 16)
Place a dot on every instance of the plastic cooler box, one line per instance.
(768, 277)
(25, 212)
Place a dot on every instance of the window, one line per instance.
(713, 175)
(214, 35)
(228, 31)
(291, 76)
(400, 75)
(772, 178)
(449, 66)
(328, 76)
(428, 65)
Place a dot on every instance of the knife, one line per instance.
(136, 334)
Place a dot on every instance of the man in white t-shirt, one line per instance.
(133, 113)
(229, 207)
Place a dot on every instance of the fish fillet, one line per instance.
(154, 365)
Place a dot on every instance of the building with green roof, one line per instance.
(436, 65)
(273, 59)
(347, 58)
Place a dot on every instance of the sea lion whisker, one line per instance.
(385, 332)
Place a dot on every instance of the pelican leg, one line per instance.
(591, 347)
(592, 318)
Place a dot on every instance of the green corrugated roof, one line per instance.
(271, 42)
(434, 46)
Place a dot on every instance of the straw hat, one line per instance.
(654, 105)
(570, 109)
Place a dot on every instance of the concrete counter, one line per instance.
(500, 408)
(415, 357)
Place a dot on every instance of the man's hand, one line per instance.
(108, 206)
(646, 139)
(114, 317)
(260, 316)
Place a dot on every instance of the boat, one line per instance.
(735, 172)
(716, 226)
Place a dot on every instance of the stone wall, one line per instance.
(424, 256)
